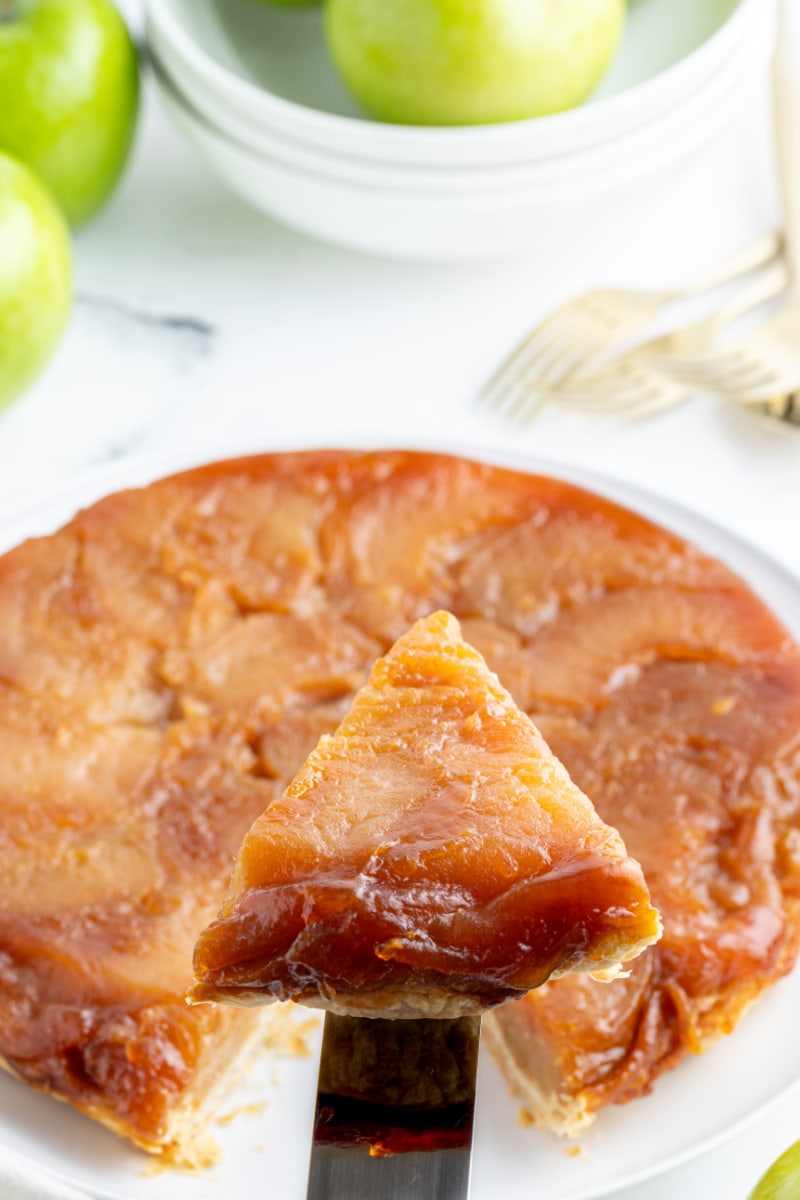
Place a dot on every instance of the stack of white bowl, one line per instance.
(251, 86)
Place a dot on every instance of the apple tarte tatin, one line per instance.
(169, 659)
(431, 858)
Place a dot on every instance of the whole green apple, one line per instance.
(35, 277)
(69, 88)
(465, 62)
(782, 1180)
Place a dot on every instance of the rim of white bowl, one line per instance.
(626, 156)
(548, 193)
(319, 123)
(273, 139)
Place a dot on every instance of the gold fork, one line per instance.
(634, 384)
(779, 412)
(766, 362)
(578, 331)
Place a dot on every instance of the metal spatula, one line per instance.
(394, 1112)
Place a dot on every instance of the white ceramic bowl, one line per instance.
(450, 193)
(269, 65)
(676, 133)
(416, 224)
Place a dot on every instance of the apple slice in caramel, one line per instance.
(431, 858)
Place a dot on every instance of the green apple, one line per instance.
(464, 62)
(782, 1180)
(69, 88)
(35, 277)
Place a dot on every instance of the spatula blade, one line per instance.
(394, 1114)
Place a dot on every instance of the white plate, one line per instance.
(693, 1108)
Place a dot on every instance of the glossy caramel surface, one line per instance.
(430, 858)
(170, 658)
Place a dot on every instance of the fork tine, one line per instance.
(600, 330)
(523, 354)
(697, 364)
(779, 386)
(617, 385)
(705, 378)
(629, 404)
(737, 371)
(628, 387)
(555, 347)
(576, 356)
(535, 401)
(569, 356)
(531, 397)
(534, 369)
(709, 372)
(616, 396)
(603, 333)
(612, 401)
(756, 378)
(761, 378)
(727, 370)
(729, 377)
(571, 329)
(576, 338)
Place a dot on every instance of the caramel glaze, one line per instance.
(431, 858)
(169, 659)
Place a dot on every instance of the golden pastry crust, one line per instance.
(171, 657)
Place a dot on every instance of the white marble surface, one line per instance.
(199, 323)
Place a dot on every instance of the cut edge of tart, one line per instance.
(183, 1135)
(430, 858)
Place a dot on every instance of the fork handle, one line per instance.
(758, 291)
(764, 250)
(786, 108)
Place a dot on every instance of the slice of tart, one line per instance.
(430, 858)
